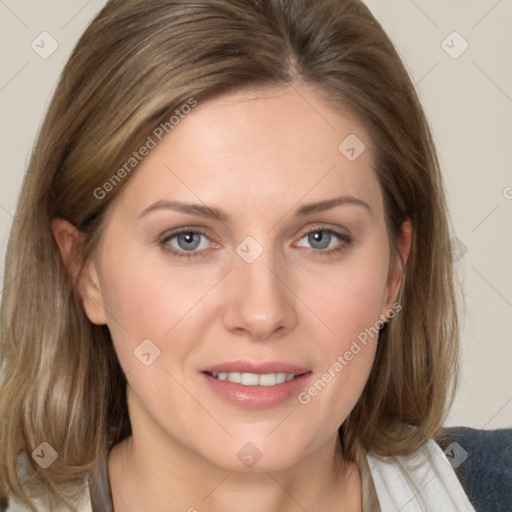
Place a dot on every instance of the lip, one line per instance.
(259, 368)
(256, 397)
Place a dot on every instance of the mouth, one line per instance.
(256, 386)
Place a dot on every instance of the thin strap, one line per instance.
(99, 488)
(370, 498)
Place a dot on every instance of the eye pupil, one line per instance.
(189, 238)
(321, 237)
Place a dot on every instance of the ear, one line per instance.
(68, 238)
(404, 241)
(397, 267)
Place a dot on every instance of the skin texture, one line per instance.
(258, 156)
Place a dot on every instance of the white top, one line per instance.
(423, 482)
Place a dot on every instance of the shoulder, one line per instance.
(82, 504)
(40, 498)
(421, 481)
(482, 461)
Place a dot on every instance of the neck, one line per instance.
(154, 470)
(142, 478)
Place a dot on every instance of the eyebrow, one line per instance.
(209, 212)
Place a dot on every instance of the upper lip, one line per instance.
(258, 368)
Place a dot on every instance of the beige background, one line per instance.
(467, 97)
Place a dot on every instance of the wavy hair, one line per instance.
(136, 63)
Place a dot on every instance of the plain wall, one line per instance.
(467, 97)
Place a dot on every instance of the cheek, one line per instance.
(348, 302)
(151, 300)
(348, 297)
(346, 354)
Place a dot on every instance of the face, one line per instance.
(275, 275)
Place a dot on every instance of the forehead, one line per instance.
(258, 150)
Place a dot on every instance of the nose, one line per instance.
(260, 303)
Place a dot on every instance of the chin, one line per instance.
(257, 454)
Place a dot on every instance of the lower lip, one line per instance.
(257, 397)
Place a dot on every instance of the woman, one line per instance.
(224, 289)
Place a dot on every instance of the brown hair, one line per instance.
(137, 63)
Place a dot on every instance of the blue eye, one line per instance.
(187, 243)
(321, 241)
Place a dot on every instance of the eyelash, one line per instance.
(164, 243)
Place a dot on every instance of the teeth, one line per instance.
(255, 379)
(249, 379)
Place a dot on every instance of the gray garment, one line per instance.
(99, 488)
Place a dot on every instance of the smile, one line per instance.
(254, 379)
(256, 386)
